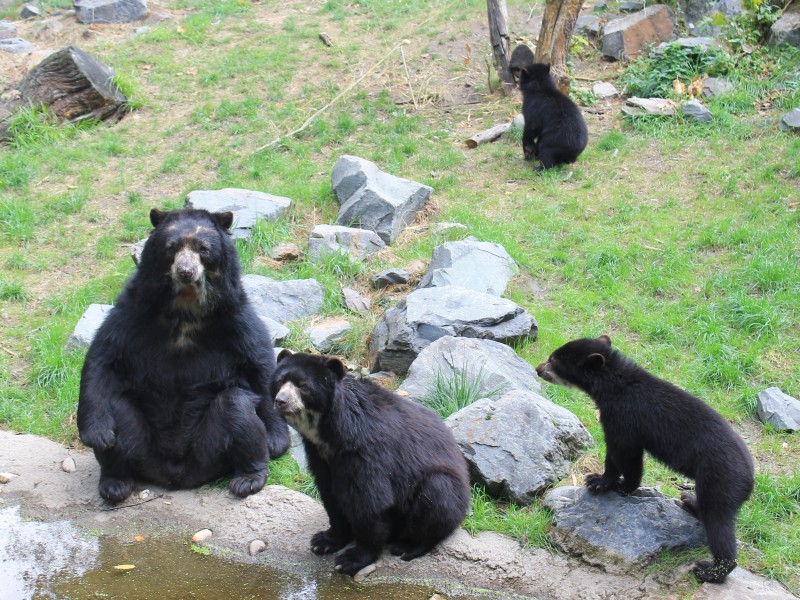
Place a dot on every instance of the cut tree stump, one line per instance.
(72, 85)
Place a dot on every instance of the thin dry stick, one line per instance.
(408, 78)
(332, 102)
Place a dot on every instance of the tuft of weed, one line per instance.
(450, 392)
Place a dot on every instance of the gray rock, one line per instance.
(518, 444)
(7, 30)
(716, 86)
(648, 106)
(695, 109)
(791, 120)
(427, 314)
(336, 239)
(30, 11)
(482, 266)
(390, 277)
(110, 11)
(277, 331)
(286, 252)
(778, 409)
(326, 333)
(283, 300)
(375, 200)
(355, 301)
(518, 122)
(786, 30)
(604, 90)
(743, 585)
(493, 365)
(88, 324)
(620, 532)
(700, 43)
(588, 25)
(136, 251)
(15, 45)
(247, 206)
(629, 6)
(695, 10)
(628, 36)
(448, 227)
(385, 379)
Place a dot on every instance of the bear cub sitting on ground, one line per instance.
(640, 412)
(388, 469)
(175, 385)
(555, 131)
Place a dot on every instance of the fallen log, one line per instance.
(493, 133)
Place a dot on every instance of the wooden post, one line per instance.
(555, 36)
(498, 36)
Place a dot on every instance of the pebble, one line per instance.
(144, 494)
(363, 573)
(256, 546)
(68, 465)
(7, 477)
(201, 536)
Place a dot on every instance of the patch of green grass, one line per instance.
(12, 290)
(286, 472)
(457, 389)
(528, 524)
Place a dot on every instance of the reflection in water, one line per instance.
(56, 560)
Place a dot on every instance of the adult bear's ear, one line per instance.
(157, 216)
(595, 361)
(223, 219)
(285, 353)
(605, 339)
(335, 365)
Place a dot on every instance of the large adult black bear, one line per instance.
(555, 131)
(388, 469)
(640, 412)
(175, 386)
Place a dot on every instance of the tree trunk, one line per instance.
(498, 36)
(555, 36)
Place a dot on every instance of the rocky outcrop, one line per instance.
(628, 36)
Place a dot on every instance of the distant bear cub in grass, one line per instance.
(388, 470)
(555, 131)
(640, 412)
(175, 385)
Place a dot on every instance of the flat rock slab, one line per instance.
(743, 585)
(247, 206)
(490, 368)
(482, 266)
(337, 239)
(326, 333)
(283, 300)
(620, 532)
(355, 301)
(110, 11)
(628, 36)
(88, 324)
(375, 200)
(427, 314)
(649, 106)
(519, 444)
(778, 409)
(604, 90)
(15, 45)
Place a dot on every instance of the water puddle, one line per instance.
(44, 560)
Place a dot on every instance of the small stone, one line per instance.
(447, 227)
(29, 11)
(256, 546)
(694, 109)
(144, 494)
(202, 536)
(716, 86)
(7, 477)
(355, 301)
(68, 465)
(390, 277)
(363, 573)
(604, 90)
(286, 252)
(791, 120)
(385, 379)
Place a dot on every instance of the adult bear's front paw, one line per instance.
(248, 483)
(114, 489)
(99, 436)
(598, 484)
(327, 542)
(352, 560)
(715, 572)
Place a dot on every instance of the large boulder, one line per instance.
(628, 36)
(491, 367)
(283, 301)
(427, 314)
(110, 11)
(620, 532)
(373, 199)
(247, 206)
(336, 239)
(778, 409)
(519, 444)
(482, 266)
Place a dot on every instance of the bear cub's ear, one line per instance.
(285, 353)
(157, 216)
(605, 339)
(338, 368)
(595, 361)
(223, 219)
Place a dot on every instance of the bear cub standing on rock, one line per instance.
(555, 131)
(388, 469)
(640, 412)
(175, 385)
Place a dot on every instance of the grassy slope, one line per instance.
(674, 238)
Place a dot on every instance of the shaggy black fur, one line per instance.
(640, 412)
(388, 469)
(555, 131)
(521, 57)
(175, 386)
